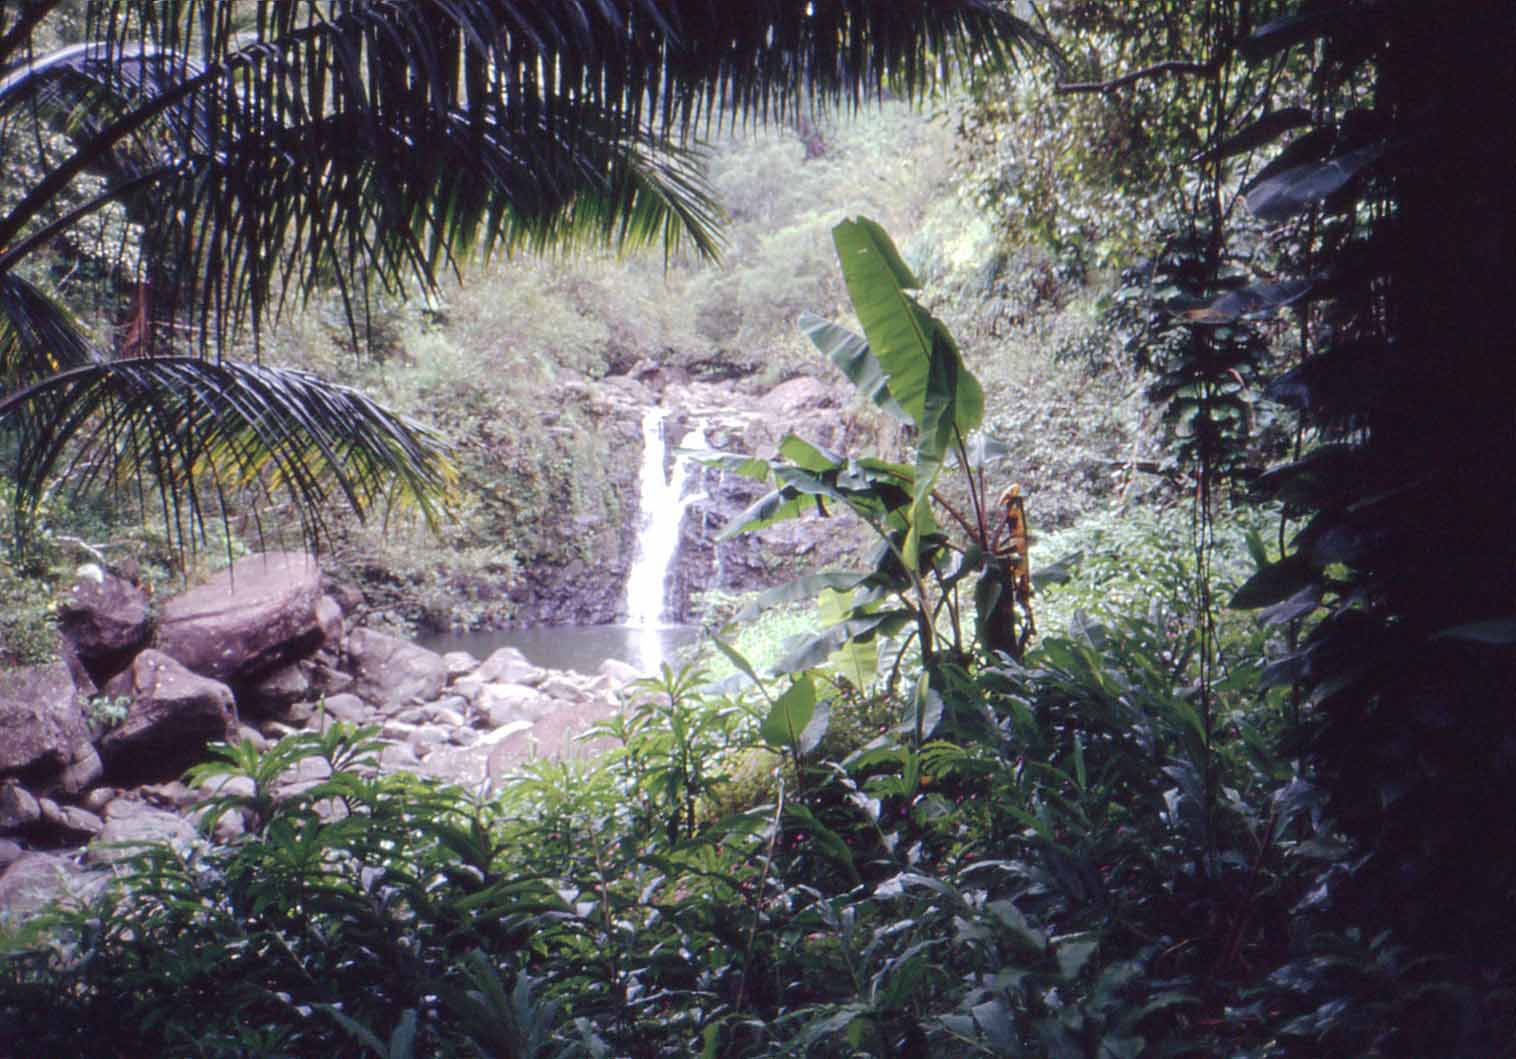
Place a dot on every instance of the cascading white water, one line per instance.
(662, 506)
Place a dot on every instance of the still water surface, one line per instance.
(578, 647)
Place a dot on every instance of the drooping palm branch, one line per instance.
(323, 141)
(197, 426)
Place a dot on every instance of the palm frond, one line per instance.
(203, 432)
(327, 140)
(400, 135)
(38, 335)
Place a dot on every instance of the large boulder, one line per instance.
(502, 704)
(174, 713)
(43, 732)
(273, 693)
(104, 621)
(36, 880)
(131, 823)
(390, 672)
(19, 811)
(507, 665)
(261, 613)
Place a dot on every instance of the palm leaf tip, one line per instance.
(205, 433)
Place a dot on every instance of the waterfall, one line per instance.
(661, 511)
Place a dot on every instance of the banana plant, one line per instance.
(908, 364)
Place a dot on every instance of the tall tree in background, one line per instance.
(257, 152)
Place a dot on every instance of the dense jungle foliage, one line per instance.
(1209, 763)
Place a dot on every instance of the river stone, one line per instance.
(69, 824)
(467, 766)
(504, 703)
(348, 708)
(439, 714)
(174, 795)
(306, 773)
(104, 620)
(230, 825)
(130, 823)
(390, 672)
(9, 853)
(96, 800)
(459, 664)
(398, 757)
(427, 736)
(457, 703)
(399, 731)
(35, 880)
(299, 714)
(460, 765)
(174, 714)
(273, 693)
(226, 787)
(507, 665)
(468, 688)
(247, 734)
(257, 615)
(42, 725)
(620, 672)
(18, 809)
(564, 687)
(82, 772)
(323, 675)
(555, 736)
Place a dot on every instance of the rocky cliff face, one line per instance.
(587, 546)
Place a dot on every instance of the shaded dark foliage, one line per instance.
(1407, 371)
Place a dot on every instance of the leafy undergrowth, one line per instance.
(1070, 872)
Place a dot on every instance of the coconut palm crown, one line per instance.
(256, 152)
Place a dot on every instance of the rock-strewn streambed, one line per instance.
(92, 748)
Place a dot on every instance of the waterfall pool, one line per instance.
(646, 640)
(580, 648)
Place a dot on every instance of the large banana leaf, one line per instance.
(916, 356)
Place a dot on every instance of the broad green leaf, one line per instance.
(924, 711)
(826, 839)
(1256, 133)
(994, 1021)
(807, 456)
(1073, 954)
(790, 714)
(731, 462)
(1274, 583)
(1286, 194)
(774, 507)
(802, 589)
(920, 361)
(834, 606)
(816, 728)
(739, 660)
(856, 660)
(853, 357)
(903, 336)
(813, 651)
